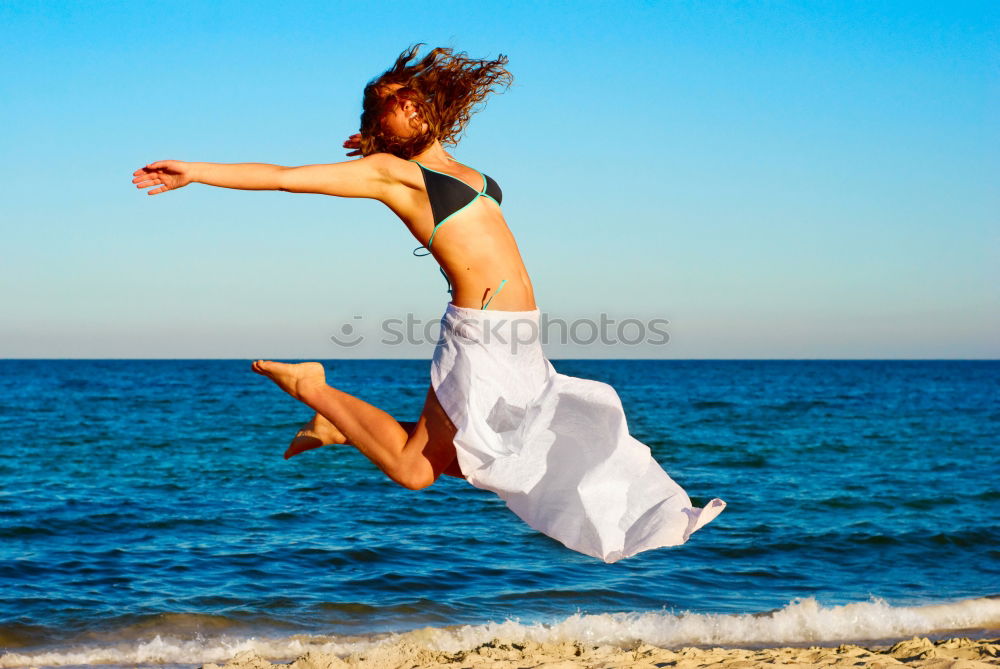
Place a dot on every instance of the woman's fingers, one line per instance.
(159, 167)
(141, 182)
(354, 143)
(145, 176)
(164, 174)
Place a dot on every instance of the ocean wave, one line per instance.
(801, 621)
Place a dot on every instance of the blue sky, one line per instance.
(776, 180)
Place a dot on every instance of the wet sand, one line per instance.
(954, 653)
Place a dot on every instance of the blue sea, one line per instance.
(147, 516)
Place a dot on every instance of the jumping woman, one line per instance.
(497, 414)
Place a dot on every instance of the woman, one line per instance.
(554, 447)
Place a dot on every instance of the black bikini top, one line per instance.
(449, 195)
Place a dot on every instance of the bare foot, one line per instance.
(317, 432)
(293, 379)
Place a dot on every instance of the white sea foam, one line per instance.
(169, 650)
(802, 621)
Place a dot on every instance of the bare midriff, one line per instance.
(477, 251)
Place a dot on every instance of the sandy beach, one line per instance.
(953, 653)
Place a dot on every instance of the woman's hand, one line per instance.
(354, 142)
(167, 174)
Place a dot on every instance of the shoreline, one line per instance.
(950, 653)
(958, 648)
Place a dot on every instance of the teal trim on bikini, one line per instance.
(494, 295)
(447, 218)
(431, 169)
(451, 291)
(479, 193)
(443, 221)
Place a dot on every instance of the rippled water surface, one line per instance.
(140, 496)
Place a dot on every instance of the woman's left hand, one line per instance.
(167, 174)
(354, 142)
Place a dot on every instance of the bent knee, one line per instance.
(415, 483)
(415, 477)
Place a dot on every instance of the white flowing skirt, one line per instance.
(556, 448)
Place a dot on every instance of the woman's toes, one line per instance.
(302, 444)
(269, 366)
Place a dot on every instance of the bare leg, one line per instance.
(412, 460)
(321, 432)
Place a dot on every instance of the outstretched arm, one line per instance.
(367, 177)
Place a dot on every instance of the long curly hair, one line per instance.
(444, 86)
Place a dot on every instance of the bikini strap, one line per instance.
(480, 193)
(499, 288)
